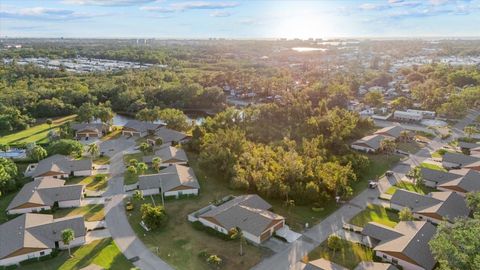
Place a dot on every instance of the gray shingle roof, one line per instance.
(412, 241)
(169, 178)
(469, 182)
(168, 153)
(372, 141)
(461, 159)
(393, 131)
(375, 266)
(36, 231)
(248, 212)
(46, 192)
(437, 176)
(467, 145)
(322, 264)
(61, 164)
(448, 205)
(142, 126)
(170, 135)
(97, 127)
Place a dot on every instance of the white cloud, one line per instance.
(220, 13)
(108, 2)
(184, 6)
(42, 13)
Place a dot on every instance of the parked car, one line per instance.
(129, 206)
(373, 184)
(389, 173)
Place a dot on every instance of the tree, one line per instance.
(145, 147)
(473, 201)
(49, 122)
(416, 175)
(236, 233)
(334, 242)
(68, 235)
(86, 112)
(133, 162)
(456, 246)
(93, 149)
(66, 147)
(8, 170)
(388, 146)
(105, 114)
(37, 153)
(153, 216)
(175, 119)
(142, 167)
(138, 195)
(404, 135)
(470, 130)
(405, 214)
(156, 163)
(132, 169)
(374, 99)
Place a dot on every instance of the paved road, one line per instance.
(116, 218)
(290, 257)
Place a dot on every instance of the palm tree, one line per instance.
(236, 233)
(68, 235)
(470, 130)
(156, 163)
(142, 167)
(404, 136)
(138, 195)
(93, 149)
(388, 146)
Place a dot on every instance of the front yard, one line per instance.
(97, 182)
(91, 212)
(349, 255)
(432, 166)
(375, 213)
(410, 187)
(411, 147)
(103, 253)
(180, 244)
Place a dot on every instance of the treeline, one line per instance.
(293, 150)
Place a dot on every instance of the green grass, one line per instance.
(112, 135)
(38, 133)
(375, 213)
(90, 182)
(128, 157)
(410, 147)
(349, 255)
(102, 160)
(410, 187)
(432, 166)
(179, 243)
(91, 212)
(104, 253)
(5, 200)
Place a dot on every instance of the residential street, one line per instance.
(291, 256)
(116, 218)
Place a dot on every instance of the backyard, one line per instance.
(411, 147)
(38, 133)
(93, 182)
(91, 212)
(5, 200)
(103, 253)
(432, 166)
(375, 213)
(180, 244)
(410, 187)
(349, 254)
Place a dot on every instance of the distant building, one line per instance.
(407, 116)
(369, 144)
(323, 264)
(169, 155)
(36, 235)
(135, 128)
(391, 132)
(425, 114)
(175, 180)
(167, 136)
(90, 130)
(59, 166)
(458, 161)
(375, 266)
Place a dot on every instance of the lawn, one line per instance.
(38, 133)
(91, 212)
(128, 157)
(432, 166)
(103, 253)
(410, 147)
(102, 160)
(112, 135)
(179, 243)
(375, 213)
(349, 255)
(90, 182)
(5, 199)
(410, 187)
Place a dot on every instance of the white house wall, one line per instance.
(75, 243)
(152, 191)
(405, 265)
(362, 148)
(28, 210)
(83, 173)
(69, 204)
(184, 192)
(251, 237)
(213, 225)
(23, 257)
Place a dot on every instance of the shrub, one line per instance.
(214, 259)
(334, 242)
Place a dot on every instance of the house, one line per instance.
(457, 161)
(43, 194)
(432, 178)
(322, 264)
(369, 143)
(249, 213)
(469, 181)
(391, 132)
(175, 180)
(472, 149)
(405, 245)
(35, 235)
(59, 166)
(90, 130)
(407, 116)
(167, 136)
(434, 207)
(425, 114)
(169, 155)
(135, 128)
(375, 266)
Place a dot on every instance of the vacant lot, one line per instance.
(91, 212)
(349, 255)
(38, 133)
(103, 253)
(179, 244)
(377, 214)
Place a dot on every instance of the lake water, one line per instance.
(121, 119)
(308, 49)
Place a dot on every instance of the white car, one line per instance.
(372, 184)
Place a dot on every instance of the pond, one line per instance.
(197, 116)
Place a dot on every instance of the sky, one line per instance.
(239, 19)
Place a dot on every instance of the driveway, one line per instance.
(97, 235)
